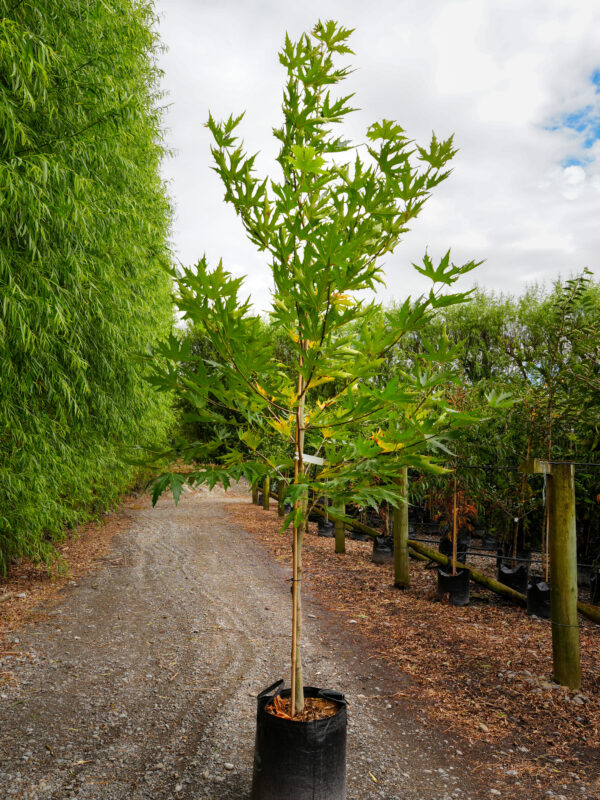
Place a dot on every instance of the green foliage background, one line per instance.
(543, 348)
(85, 218)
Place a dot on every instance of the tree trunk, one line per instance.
(298, 701)
(297, 684)
(400, 531)
(340, 530)
(255, 493)
(454, 532)
(280, 491)
(266, 490)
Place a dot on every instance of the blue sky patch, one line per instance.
(585, 121)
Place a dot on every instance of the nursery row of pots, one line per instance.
(518, 577)
(457, 588)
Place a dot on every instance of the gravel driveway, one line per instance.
(141, 682)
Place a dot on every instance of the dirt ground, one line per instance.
(138, 679)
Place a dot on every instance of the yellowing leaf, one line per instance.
(340, 300)
(282, 426)
(322, 379)
(387, 447)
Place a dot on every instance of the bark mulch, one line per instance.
(482, 671)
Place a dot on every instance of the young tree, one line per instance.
(325, 224)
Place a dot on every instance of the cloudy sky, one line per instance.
(516, 81)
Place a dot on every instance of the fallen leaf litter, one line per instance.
(483, 671)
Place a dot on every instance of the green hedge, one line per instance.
(85, 219)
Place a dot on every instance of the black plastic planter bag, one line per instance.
(326, 528)
(489, 541)
(455, 586)
(505, 557)
(383, 549)
(462, 546)
(299, 760)
(357, 536)
(515, 578)
(374, 520)
(595, 588)
(584, 574)
(538, 598)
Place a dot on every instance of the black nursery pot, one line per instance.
(374, 520)
(595, 587)
(489, 542)
(455, 586)
(357, 536)
(514, 578)
(383, 549)
(538, 598)
(584, 574)
(299, 760)
(326, 528)
(462, 546)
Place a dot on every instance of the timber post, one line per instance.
(562, 550)
(400, 532)
(266, 495)
(340, 530)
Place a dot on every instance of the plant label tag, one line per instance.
(313, 459)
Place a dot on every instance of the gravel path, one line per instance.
(141, 683)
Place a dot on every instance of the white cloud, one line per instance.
(498, 73)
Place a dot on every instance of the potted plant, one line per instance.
(453, 581)
(324, 225)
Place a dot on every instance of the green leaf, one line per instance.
(305, 159)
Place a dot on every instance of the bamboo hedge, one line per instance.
(85, 219)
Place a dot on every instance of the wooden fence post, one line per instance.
(400, 532)
(563, 576)
(560, 496)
